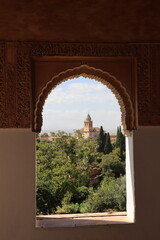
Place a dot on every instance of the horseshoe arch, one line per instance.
(120, 92)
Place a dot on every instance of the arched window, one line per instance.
(126, 105)
(127, 120)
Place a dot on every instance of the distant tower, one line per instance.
(88, 127)
(89, 130)
(88, 124)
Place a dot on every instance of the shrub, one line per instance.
(109, 196)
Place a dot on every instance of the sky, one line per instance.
(69, 103)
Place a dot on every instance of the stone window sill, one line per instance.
(77, 220)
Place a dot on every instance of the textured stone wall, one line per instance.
(80, 21)
(16, 76)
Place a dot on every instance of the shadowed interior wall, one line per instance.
(81, 20)
(17, 184)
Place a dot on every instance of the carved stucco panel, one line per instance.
(15, 76)
(23, 86)
(3, 114)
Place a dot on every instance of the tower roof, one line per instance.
(88, 117)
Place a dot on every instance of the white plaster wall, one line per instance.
(130, 178)
(17, 192)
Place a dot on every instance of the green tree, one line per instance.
(108, 145)
(109, 196)
(112, 165)
(120, 142)
(118, 138)
(67, 166)
(63, 165)
(101, 140)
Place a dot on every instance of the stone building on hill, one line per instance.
(89, 130)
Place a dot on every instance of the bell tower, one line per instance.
(88, 125)
(89, 130)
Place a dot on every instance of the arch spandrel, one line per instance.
(120, 92)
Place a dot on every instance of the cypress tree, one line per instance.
(108, 145)
(120, 142)
(118, 138)
(100, 140)
(122, 147)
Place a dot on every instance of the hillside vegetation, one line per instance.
(77, 175)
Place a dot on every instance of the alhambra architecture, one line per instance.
(89, 130)
(43, 43)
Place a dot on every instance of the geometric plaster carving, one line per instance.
(20, 87)
(120, 92)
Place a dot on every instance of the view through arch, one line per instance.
(80, 158)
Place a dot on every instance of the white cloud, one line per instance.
(86, 87)
(80, 92)
(67, 106)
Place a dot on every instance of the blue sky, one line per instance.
(69, 103)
